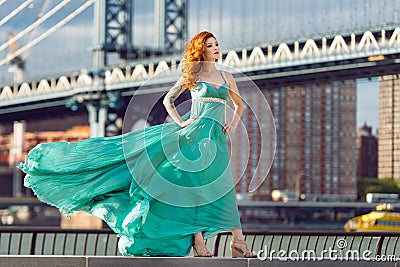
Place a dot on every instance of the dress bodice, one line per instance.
(204, 89)
(209, 102)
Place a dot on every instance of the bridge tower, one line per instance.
(113, 34)
(113, 30)
(171, 24)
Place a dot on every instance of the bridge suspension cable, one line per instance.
(35, 24)
(43, 10)
(2, 2)
(44, 35)
(15, 11)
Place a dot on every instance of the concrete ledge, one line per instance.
(94, 261)
(325, 263)
(165, 262)
(42, 261)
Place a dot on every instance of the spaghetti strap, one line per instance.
(224, 76)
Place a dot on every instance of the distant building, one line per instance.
(389, 127)
(316, 141)
(246, 145)
(367, 149)
(30, 140)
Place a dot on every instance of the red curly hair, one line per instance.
(193, 57)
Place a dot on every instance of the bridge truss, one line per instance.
(356, 55)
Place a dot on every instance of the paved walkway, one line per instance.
(94, 261)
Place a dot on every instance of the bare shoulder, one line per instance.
(229, 77)
(228, 74)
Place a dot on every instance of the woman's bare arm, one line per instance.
(237, 102)
(169, 105)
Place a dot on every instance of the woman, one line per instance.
(162, 189)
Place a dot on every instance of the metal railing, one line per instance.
(103, 242)
(56, 241)
(271, 242)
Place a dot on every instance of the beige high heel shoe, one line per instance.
(200, 250)
(238, 253)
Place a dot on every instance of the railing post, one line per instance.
(33, 244)
(379, 246)
(216, 244)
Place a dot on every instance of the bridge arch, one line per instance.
(232, 59)
(162, 68)
(338, 45)
(395, 38)
(25, 90)
(6, 93)
(43, 86)
(114, 75)
(282, 53)
(310, 49)
(63, 83)
(367, 39)
(139, 73)
(257, 56)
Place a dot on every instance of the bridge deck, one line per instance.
(93, 261)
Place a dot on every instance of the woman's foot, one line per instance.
(239, 249)
(200, 249)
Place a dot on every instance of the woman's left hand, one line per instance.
(226, 128)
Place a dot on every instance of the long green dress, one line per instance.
(154, 187)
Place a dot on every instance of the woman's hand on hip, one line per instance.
(227, 128)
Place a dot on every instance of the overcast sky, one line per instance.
(235, 22)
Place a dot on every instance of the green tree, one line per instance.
(375, 185)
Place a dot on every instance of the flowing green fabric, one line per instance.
(155, 187)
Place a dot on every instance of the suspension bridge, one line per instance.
(350, 55)
(356, 55)
(326, 44)
(38, 23)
